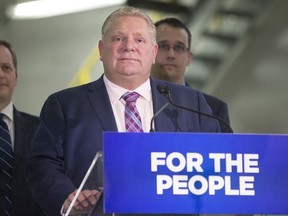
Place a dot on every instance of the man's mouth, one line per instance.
(128, 59)
(170, 65)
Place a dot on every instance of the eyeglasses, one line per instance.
(178, 48)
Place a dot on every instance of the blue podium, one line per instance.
(204, 173)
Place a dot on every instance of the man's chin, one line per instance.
(170, 69)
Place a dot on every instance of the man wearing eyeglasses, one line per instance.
(174, 55)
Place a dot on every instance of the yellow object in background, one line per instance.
(84, 74)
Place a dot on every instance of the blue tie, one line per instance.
(6, 164)
(132, 118)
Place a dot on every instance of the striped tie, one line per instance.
(132, 118)
(6, 164)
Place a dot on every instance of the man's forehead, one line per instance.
(125, 28)
(171, 34)
(5, 54)
(176, 41)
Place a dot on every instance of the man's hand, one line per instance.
(84, 203)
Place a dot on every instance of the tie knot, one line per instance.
(2, 122)
(130, 97)
(2, 117)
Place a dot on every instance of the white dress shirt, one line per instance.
(144, 103)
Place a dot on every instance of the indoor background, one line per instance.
(240, 54)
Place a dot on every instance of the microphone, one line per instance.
(166, 91)
(156, 114)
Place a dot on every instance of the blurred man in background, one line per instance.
(17, 130)
(174, 56)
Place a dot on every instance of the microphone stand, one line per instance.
(167, 93)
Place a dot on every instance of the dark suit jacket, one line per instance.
(23, 201)
(219, 109)
(70, 134)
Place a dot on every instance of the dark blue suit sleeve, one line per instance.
(45, 168)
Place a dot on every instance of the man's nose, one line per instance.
(171, 52)
(129, 45)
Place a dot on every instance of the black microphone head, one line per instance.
(163, 89)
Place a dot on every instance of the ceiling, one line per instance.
(240, 54)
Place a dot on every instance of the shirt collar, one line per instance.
(8, 111)
(115, 92)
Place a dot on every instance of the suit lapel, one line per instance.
(22, 132)
(99, 99)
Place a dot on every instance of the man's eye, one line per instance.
(164, 46)
(6, 68)
(179, 48)
(117, 39)
(140, 40)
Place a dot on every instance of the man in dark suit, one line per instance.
(174, 55)
(21, 128)
(73, 120)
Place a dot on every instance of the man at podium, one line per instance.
(124, 99)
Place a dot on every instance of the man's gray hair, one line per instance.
(129, 11)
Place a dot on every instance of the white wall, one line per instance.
(255, 85)
(50, 52)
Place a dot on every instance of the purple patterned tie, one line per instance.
(132, 118)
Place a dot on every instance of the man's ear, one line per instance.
(155, 50)
(16, 78)
(190, 57)
(100, 48)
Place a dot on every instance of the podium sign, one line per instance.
(180, 173)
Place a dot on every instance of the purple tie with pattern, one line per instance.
(132, 118)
